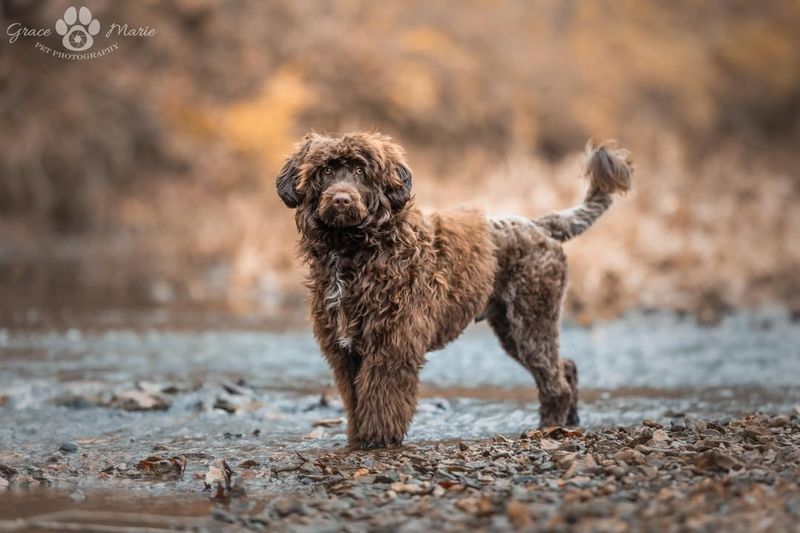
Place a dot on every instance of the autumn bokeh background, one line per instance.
(147, 176)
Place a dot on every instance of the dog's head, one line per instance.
(354, 181)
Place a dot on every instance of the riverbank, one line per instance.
(123, 420)
(738, 474)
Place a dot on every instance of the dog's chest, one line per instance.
(339, 280)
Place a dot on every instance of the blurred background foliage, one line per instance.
(148, 175)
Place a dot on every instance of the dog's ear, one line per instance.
(285, 184)
(287, 177)
(399, 196)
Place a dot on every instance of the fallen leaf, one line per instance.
(409, 488)
(218, 480)
(154, 465)
(717, 460)
(630, 456)
(564, 459)
(558, 432)
(328, 422)
(136, 400)
(316, 433)
(549, 444)
(485, 507)
(517, 514)
(468, 505)
(249, 463)
(660, 435)
(361, 472)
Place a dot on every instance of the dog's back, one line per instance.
(463, 268)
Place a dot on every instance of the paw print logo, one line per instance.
(78, 29)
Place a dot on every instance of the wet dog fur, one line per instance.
(389, 284)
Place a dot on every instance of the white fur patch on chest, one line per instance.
(336, 286)
(334, 294)
(345, 343)
(333, 303)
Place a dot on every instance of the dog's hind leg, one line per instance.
(524, 313)
(570, 370)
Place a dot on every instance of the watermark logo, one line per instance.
(78, 29)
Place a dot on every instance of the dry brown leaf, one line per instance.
(549, 444)
(361, 472)
(316, 433)
(328, 422)
(218, 480)
(518, 514)
(136, 400)
(630, 456)
(558, 432)
(717, 460)
(154, 465)
(660, 435)
(409, 488)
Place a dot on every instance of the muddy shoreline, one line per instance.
(738, 474)
(123, 422)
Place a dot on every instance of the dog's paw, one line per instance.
(380, 443)
(572, 417)
(78, 29)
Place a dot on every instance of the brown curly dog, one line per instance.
(389, 284)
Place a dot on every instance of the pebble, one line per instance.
(677, 425)
(630, 456)
(779, 421)
(68, 447)
(287, 506)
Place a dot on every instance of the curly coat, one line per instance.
(389, 284)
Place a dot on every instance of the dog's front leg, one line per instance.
(386, 387)
(345, 367)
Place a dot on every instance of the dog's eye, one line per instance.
(359, 170)
(327, 171)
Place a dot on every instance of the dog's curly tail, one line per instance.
(609, 171)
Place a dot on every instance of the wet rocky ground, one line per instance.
(145, 425)
(735, 475)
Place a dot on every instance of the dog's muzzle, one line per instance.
(341, 207)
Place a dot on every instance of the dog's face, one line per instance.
(340, 183)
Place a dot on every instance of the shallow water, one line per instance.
(641, 366)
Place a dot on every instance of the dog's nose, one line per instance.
(341, 199)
